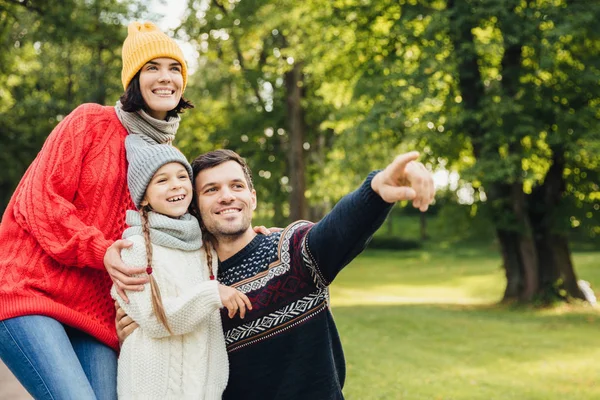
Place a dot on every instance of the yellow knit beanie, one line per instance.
(145, 42)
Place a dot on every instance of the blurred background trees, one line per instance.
(56, 55)
(500, 96)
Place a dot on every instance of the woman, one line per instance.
(57, 332)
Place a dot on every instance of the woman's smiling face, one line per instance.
(161, 83)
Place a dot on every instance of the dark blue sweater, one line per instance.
(288, 347)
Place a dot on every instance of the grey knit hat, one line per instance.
(144, 160)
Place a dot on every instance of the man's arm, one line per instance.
(344, 233)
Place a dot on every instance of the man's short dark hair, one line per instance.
(133, 101)
(218, 157)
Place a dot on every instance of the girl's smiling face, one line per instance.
(170, 190)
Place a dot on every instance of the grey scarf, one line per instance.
(150, 129)
(177, 233)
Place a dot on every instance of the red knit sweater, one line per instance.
(68, 208)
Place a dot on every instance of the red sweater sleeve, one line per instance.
(46, 206)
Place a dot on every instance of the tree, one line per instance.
(255, 62)
(531, 135)
(506, 92)
(61, 54)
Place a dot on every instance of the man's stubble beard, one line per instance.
(227, 233)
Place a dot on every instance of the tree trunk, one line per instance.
(562, 255)
(555, 266)
(527, 251)
(99, 73)
(472, 92)
(536, 258)
(294, 81)
(503, 216)
(509, 248)
(549, 274)
(511, 72)
(317, 211)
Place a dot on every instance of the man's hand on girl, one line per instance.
(125, 325)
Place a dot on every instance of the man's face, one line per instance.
(225, 200)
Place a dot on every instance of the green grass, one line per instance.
(426, 325)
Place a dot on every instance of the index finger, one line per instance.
(403, 159)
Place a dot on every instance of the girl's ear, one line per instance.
(144, 202)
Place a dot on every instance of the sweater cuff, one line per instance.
(369, 196)
(211, 291)
(98, 249)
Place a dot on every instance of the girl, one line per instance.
(57, 332)
(178, 351)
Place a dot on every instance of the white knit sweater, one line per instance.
(193, 363)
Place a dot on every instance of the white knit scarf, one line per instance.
(176, 233)
(150, 129)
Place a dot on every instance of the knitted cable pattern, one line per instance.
(67, 210)
(192, 363)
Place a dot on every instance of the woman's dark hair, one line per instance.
(132, 100)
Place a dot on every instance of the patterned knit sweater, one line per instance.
(288, 347)
(68, 208)
(191, 364)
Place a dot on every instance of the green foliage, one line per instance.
(62, 54)
(380, 77)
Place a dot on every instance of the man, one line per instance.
(287, 346)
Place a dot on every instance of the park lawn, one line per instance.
(426, 325)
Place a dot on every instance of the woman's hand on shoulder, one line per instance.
(120, 273)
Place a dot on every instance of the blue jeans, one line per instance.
(54, 361)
